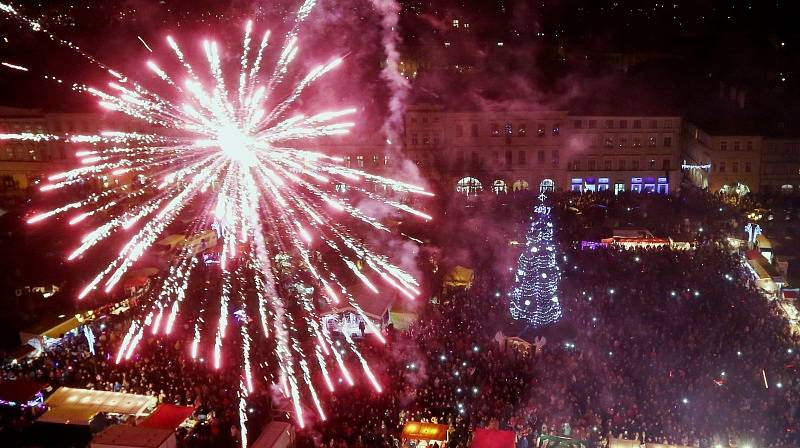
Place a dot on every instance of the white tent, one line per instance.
(79, 406)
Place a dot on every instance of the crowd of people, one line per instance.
(657, 345)
(159, 368)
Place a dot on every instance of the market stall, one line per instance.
(424, 435)
(493, 438)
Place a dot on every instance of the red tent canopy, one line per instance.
(493, 438)
(168, 416)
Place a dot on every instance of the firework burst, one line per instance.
(233, 158)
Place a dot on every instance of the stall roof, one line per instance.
(20, 390)
(131, 436)
(68, 416)
(493, 438)
(425, 431)
(167, 416)
(90, 402)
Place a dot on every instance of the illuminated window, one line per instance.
(360, 161)
(455, 23)
(556, 130)
(499, 186)
(469, 186)
(651, 142)
(509, 129)
(519, 185)
(547, 185)
(387, 160)
(347, 161)
(495, 130)
(521, 131)
(540, 130)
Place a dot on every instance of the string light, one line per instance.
(534, 296)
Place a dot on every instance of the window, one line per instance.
(414, 139)
(635, 164)
(623, 124)
(577, 124)
(721, 167)
(747, 167)
(519, 185)
(607, 165)
(474, 129)
(667, 142)
(540, 156)
(736, 145)
(749, 145)
(609, 124)
(637, 142)
(637, 124)
(387, 160)
(555, 157)
(495, 130)
(653, 124)
(622, 165)
(460, 159)
(468, 186)
(665, 164)
(592, 124)
(509, 129)
(651, 142)
(735, 167)
(723, 145)
(499, 186)
(435, 140)
(547, 185)
(609, 142)
(509, 158)
(459, 130)
(347, 161)
(540, 130)
(360, 161)
(592, 164)
(375, 160)
(556, 130)
(426, 140)
(521, 131)
(651, 163)
(424, 120)
(576, 165)
(455, 23)
(521, 156)
(475, 159)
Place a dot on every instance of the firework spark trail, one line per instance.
(232, 161)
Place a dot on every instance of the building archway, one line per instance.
(547, 185)
(519, 185)
(499, 186)
(469, 185)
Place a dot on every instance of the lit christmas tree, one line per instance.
(534, 297)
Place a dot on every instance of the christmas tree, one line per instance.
(534, 297)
